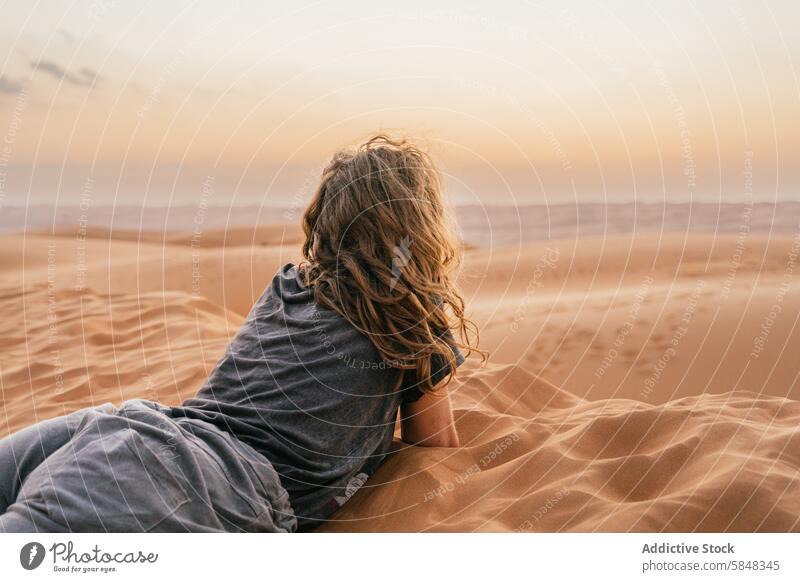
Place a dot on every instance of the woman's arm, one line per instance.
(428, 422)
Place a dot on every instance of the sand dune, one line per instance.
(537, 458)
(641, 383)
(263, 235)
(65, 349)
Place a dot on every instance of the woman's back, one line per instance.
(306, 389)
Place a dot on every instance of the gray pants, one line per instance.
(136, 469)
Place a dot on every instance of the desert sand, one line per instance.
(636, 383)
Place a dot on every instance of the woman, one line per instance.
(301, 409)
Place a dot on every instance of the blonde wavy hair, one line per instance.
(380, 251)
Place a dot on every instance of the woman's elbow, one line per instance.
(447, 439)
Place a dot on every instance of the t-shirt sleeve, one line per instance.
(410, 388)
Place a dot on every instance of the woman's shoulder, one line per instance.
(287, 285)
(291, 274)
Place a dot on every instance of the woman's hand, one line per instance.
(428, 422)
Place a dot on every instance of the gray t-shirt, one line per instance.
(309, 391)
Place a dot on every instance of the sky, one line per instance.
(520, 102)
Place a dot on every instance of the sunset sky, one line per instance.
(522, 102)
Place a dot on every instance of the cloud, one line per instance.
(67, 35)
(90, 74)
(84, 78)
(9, 86)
